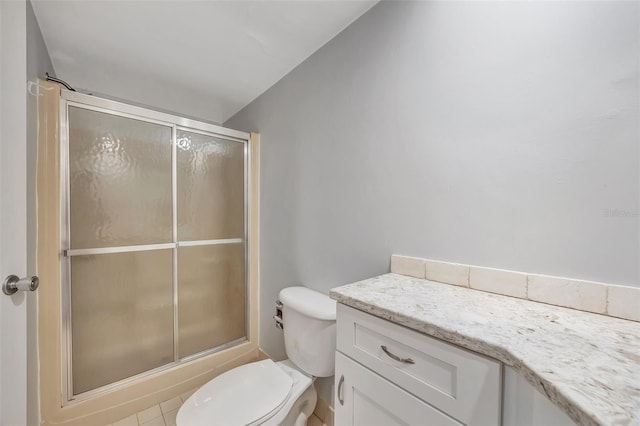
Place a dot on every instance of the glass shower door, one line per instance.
(119, 219)
(211, 235)
(155, 246)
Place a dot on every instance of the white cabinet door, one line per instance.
(364, 398)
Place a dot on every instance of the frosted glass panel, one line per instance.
(122, 318)
(211, 296)
(210, 187)
(120, 180)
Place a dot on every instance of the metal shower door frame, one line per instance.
(175, 123)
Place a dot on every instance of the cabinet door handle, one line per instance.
(396, 357)
(340, 390)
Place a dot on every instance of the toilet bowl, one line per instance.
(273, 393)
(260, 393)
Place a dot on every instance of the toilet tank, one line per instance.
(309, 320)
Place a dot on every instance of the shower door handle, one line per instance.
(13, 283)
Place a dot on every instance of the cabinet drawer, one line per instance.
(365, 399)
(463, 384)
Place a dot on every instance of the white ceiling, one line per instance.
(205, 59)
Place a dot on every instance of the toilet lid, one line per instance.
(240, 396)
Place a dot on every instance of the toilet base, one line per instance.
(297, 410)
(299, 413)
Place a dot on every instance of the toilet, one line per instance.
(274, 393)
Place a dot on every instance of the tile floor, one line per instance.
(314, 421)
(164, 414)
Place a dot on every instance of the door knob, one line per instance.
(13, 283)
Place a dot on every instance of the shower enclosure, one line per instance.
(154, 242)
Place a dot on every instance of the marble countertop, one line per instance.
(586, 364)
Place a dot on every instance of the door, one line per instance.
(367, 399)
(13, 211)
(154, 241)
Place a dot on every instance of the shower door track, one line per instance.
(149, 373)
(175, 122)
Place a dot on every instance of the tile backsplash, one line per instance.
(498, 281)
(581, 295)
(613, 300)
(412, 266)
(623, 302)
(450, 273)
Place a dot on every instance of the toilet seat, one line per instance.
(246, 395)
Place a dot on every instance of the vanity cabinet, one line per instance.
(387, 374)
(523, 405)
(366, 398)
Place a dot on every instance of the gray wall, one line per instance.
(501, 134)
(38, 62)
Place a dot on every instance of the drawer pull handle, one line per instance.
(340, 394)
(396, 357)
